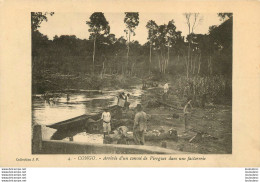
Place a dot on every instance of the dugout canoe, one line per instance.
(81, 121)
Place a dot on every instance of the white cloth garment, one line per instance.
(166, 88)
(106, 117)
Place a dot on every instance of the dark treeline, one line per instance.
(166, 51)
(67, 54)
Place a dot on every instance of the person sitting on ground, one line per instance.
(122, 131)
(139, 126)
(106, 118)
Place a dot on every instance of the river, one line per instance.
(80, 103)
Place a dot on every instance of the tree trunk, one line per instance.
(210, 65)
(132, 69)
(194, 65)
(187, 67)
(167, 61)
(103, 69)
(188, 60)
(191, 63)
(150, 58)
(94, 49)
(162, 63)
(122, 68)
(166, 64)
(159, 63)
(168, 51)
(199, 64)
(128, 49)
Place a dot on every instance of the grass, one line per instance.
(215, 89)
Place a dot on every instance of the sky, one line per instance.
(75, 24)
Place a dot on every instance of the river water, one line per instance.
(81, 103)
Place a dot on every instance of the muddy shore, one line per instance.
(209, 129)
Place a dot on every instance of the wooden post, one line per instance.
(164, 144)
(185, 122)
(37, 139)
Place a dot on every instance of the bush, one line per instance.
(214, 88)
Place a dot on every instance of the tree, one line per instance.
(192, 24)
(131, 21)
(120, 47)
(224, 16)
(160, 43)
(111, 38)
(201, 47)
(221, 38)
(152, 29)
(179, 45)
(170, 38)
(36, 37)
(163, 37)
(37, 18)
(98, 25)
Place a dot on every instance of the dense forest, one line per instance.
(203, 61)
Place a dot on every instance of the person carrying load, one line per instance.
(127, 103)
(121, 100)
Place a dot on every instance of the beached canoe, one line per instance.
(81, 121)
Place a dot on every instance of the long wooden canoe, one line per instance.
(81, 121)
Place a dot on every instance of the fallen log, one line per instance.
(77, 91)
(153, 104)
(149, 135)
(204, 134)
(200, 135)
(168, 105)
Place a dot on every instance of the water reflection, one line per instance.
(87, 137)
(45, 113)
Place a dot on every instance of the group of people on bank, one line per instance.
(123, 100)
(139, 123)
(140, 119)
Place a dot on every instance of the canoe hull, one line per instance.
(83, 120)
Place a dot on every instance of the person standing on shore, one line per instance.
(166, 88)
(165, 91)
(139, 125)
(68, 97)
(106, 118)
(126, 101)
(121, 100)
